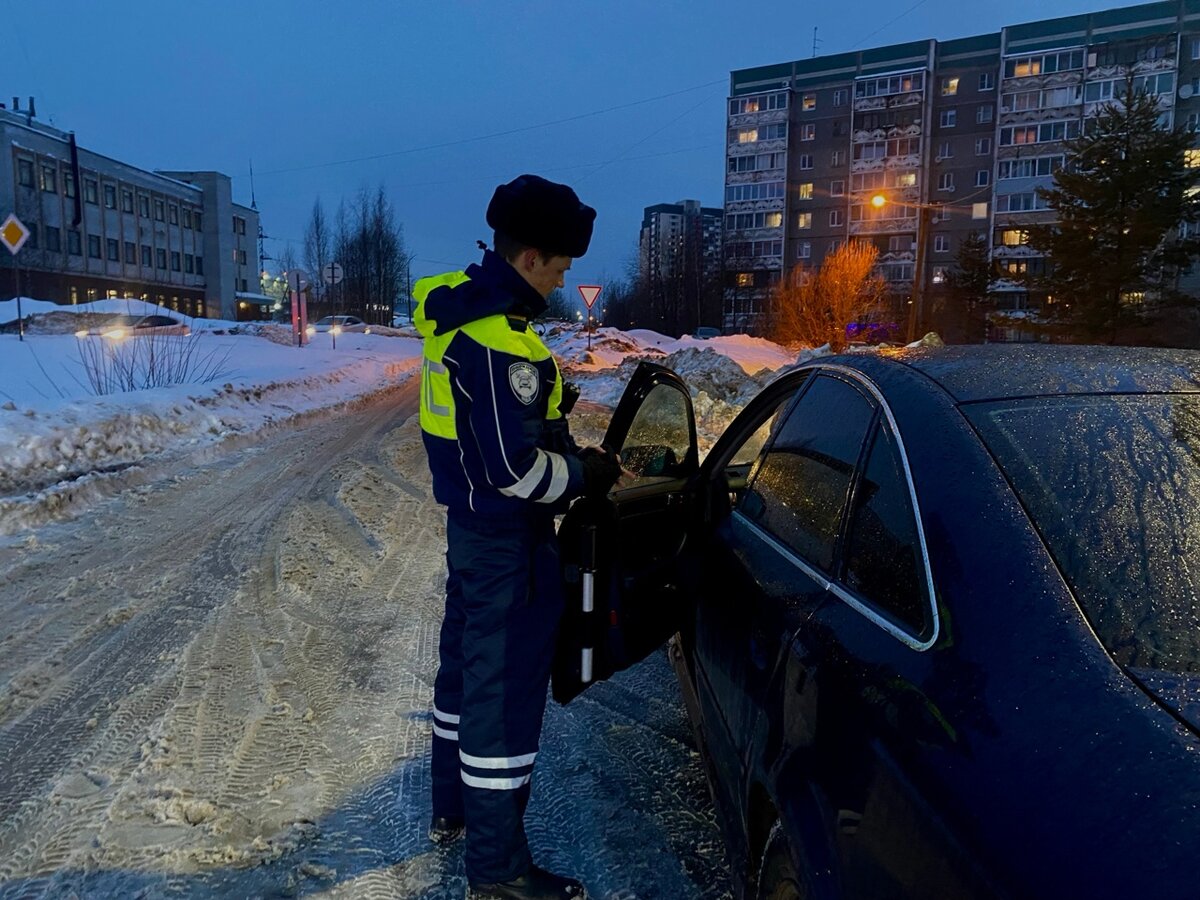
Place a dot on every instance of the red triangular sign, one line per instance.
(589, 292)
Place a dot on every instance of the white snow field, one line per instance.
(220, 608)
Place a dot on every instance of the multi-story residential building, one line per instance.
(103, 228)
(956, 135)
(679, 257)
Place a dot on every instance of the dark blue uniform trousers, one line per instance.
(504, 600)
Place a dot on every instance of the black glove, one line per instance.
(570, 393)
(600, 470)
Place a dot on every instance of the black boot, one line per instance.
(536, 884)
(446, 830)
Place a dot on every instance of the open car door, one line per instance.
(620, 553)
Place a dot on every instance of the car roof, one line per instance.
(1001, 371)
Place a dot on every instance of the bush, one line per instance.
(148, 361)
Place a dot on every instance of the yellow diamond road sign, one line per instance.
(14, 234)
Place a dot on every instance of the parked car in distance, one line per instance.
(704, 332)
(937, 615)
(123, 326)
(339, 325)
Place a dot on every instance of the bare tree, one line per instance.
(318, 247)
(814, 307)
(369, 244)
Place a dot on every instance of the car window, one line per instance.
(1113, 485)
(800, 488)
(659, 438)
(884, 562)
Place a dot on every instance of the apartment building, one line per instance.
(956, 135)
(679, 258)
(102, 228)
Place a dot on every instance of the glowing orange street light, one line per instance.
(878, 201)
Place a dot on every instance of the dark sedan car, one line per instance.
(938, 617)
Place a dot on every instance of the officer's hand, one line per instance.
(601, 469)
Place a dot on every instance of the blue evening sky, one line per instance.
(329, 98)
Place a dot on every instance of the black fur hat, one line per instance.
(542, 214)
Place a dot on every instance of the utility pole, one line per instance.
(916, 316)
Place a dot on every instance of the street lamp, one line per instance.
(879, 201)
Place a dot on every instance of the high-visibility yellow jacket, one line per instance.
(490, 392)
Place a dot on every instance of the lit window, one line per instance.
(949, 87)
(1191, 158)
(808, 102)
(806, 191)
(979, 210)
(906, 179)
(745, 279)
(939, 274)
(1013, 237)
(808, 131)
(804, 220)
(747, 135)
(773, 220)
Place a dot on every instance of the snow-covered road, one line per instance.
(219, 685)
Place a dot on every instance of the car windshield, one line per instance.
(328, 320)
(1113, 485)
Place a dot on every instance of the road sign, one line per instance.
(297, 280)
(590, 292)
(332, 273)
(14, 234)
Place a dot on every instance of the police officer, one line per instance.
(503, 464)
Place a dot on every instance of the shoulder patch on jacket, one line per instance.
(525, 382)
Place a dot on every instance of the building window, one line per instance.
(982, 178)
(24, 173)
(808, 102)
(175, 263)
(160, 258)
(804, 220)
(94, 246)
(839, 97)
(130, 253)
(983, 146)
(949, 87)
(1013, 237)
(949, 118)
(979, 210)
(241, 257)
(173, 214)
(983, 115)
(158, 214)
(806, 191)
(1195, 48)
(808, 132)
(146, 256)
(74, 245)
(144, 206)
(838, 158)
(187, 219)
(127, 201)
(113, 247)
(110, 197)
(189, 263)
(196, 224)
(745, 279)
(987, 81)
(69, 185)
(806, 161)
(941, 243)
(53, 239)
(837, 188)
(939, 274)
(804, 250)
(199, 265)
(91, 191)
(50, 179)
(32, 241)
(945, 150)
(835, 218)
(946, 181)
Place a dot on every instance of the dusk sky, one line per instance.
(622, 100)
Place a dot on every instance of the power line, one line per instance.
(888, 24)
(495, 134)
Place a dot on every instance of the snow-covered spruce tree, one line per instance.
(1120, 202)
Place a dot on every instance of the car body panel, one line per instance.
(1008, 754)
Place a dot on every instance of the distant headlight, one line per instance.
(82, 333)
(311, 329)
(366, 331)
(337, 329)
(115, 334)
